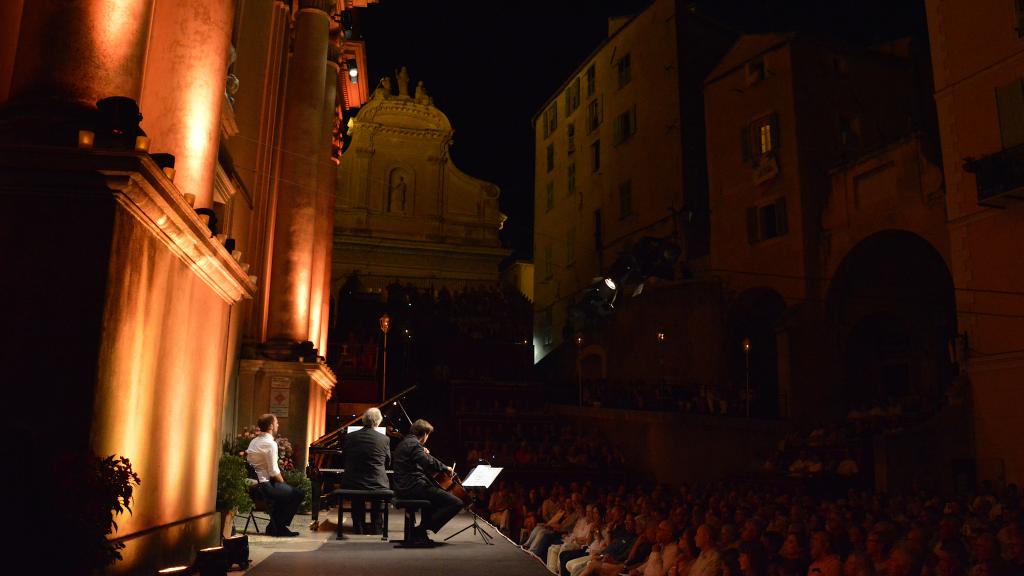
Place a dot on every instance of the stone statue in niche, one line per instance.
(383, 89)
(421, 94)
(397, 192)
(402, 76)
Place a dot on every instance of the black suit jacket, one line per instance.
(367, 455)
(412, 464)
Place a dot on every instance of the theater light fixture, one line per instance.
(353, 70)
(212, 561)
(237, 549)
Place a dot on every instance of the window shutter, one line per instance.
(775, 132)
(1010, 102)
(781, 220)
(752, 225)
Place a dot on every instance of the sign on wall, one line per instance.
(280, 388)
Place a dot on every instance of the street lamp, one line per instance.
(385, 325)
(746, 354)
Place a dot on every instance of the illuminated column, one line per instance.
(291, 265)
(80, 52)
(324, 229)
(184, 88)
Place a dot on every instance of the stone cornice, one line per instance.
(450, 249)
(317, 372)
(139, 186)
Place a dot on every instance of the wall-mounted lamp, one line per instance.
(353, 70)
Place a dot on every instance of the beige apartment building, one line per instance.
(609, 159)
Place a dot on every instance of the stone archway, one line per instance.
(891, 306)
(756, 316)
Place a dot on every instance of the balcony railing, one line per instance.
(1000, 177)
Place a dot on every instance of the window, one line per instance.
(755, 71)
(549, 265)
(570, 246)
(595, 156)
(572, 178)
(593, 115)
(625, 126)
(551, 119)
(551, 157)
(570, 133)
(550, 205)
(760, 138)
(624, 70)
(625, 199)
(849, 131)
(591, 81)
(1010, 103)
(572, 97)
(1018, 8)
(766, 222)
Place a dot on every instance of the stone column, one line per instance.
(326, 180)
(184, 88)
(71, 54)
(291, 265)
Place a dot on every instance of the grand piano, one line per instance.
(325, 461)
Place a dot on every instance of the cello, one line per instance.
(451, 483)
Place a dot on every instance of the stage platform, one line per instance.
(319, 553)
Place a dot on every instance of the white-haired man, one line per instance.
(367, 455)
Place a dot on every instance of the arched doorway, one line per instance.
(751, 351)
(892, 307)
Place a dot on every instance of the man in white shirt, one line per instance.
(284, 498)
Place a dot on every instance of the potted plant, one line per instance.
(232, 490)
(90, 492)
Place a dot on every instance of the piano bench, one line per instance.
(382, 496)
(410, 507)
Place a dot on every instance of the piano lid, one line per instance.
(390, 408)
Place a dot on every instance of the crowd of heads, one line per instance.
(541, 445)
(746, 529)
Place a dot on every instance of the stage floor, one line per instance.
(319, 553)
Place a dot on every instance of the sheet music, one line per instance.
(481, 477)
(380, 429)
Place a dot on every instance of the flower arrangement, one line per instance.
(239, 444)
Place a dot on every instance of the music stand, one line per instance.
(480, 477)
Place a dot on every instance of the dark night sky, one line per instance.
(490, 64)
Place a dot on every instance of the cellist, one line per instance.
(412, 465)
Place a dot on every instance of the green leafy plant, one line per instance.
(90, 493)
(299, 479)
(232, 487)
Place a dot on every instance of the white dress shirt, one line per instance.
(262, 454)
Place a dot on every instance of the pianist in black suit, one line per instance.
(367, 456)
(412, 464)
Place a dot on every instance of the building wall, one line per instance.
(567, 253)
(975, 50)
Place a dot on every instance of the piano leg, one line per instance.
(315, 501)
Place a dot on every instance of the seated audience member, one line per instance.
(753, 561)
(731, 563)
(877, 546)
(609, 565)
(792, 556)
(500, 507)
(598, 535)
(664, 553)
(952, 558)
(709, 561)
(615, 545)
(860, 564)
(547, 533)
(688, 553)
(905, 560)
(581, 535)
(823, 561)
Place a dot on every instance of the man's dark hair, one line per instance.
(265, 422)
(421, 427)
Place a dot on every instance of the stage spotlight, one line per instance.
(175, 570)
(212, 561)
(237, 549)
(610, 283)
